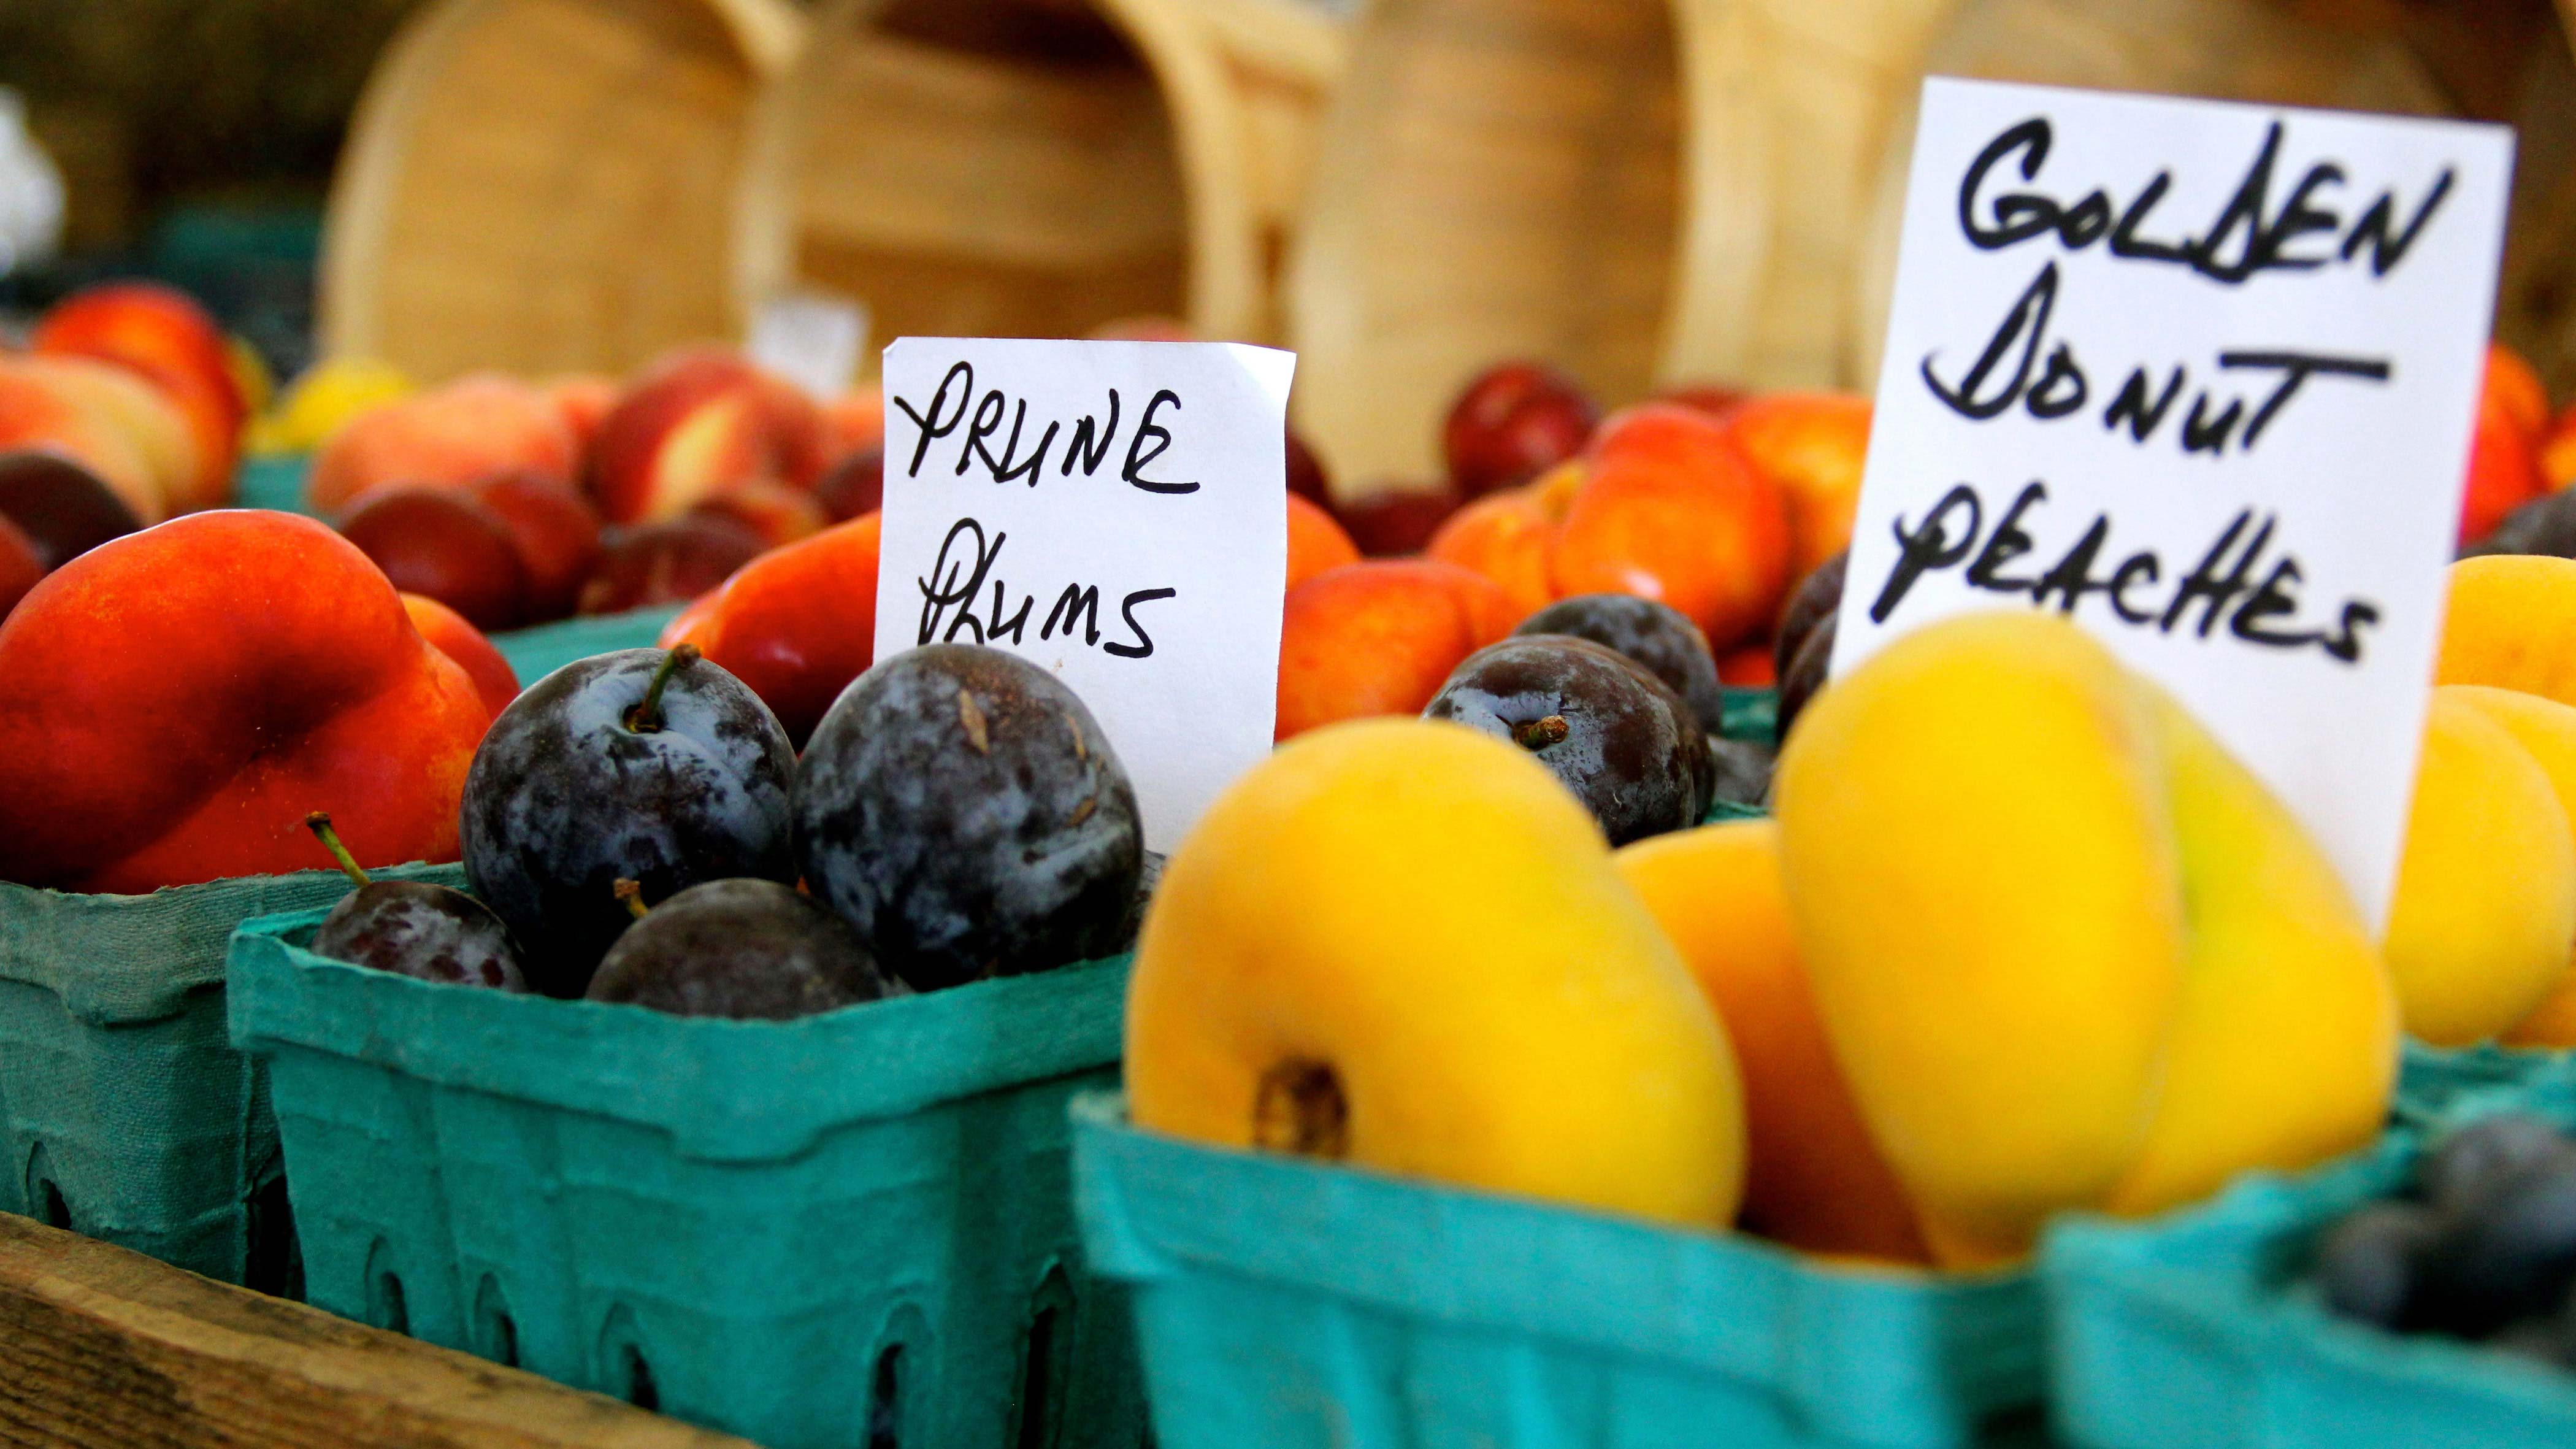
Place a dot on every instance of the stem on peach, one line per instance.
(647, 717)
(319, 822)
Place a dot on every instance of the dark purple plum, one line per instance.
(650, 765)
(1623, 742)
(414, 928)
(62, 507)
(961, 808)
(2368, 1263)
(1805, 677)
(752, 950)
(1812, 605)
(1658, 636)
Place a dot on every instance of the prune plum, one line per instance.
(1818, 597)
(745, 949)
(960, 807)
(414, 928)
(1655, 635)
(646, 765)
(2367, 1264)
(855, 486)
(2512, 1255)
(2473, 1162)
(1624, 743)
(1806, 675)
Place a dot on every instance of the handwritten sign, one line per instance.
(2201, 376)
(1115, 511)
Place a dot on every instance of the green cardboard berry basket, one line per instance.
(1285, 1304)
(2435, 1079)
(2197, 1332)
(540, 651)
(125, 1113)
(1751, 715)
(852, 1231)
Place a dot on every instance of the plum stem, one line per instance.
(319, 822)
(647, 717)
(1538, 734)
(1299, 1108)
(632, 893)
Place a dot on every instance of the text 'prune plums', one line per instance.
(961, 808)
(746, 949)
(413, 928)
(1624, 743)
(644, 764)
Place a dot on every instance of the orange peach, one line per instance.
(1380, 637)
(1815, 1180)
(2514, 388)
(855, 421)
(1672, 510)
(1508, 538)
(2558, 452)
(2504, 472)
(795, 625)
(695, 424)
(1812, 445)
(1315, 542)
(129, 403)
(448, 632)
(38, 412)
(20, 565)
(583, 400)
(165, 336)
(446, 437)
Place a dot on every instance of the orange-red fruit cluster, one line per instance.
(180, 698)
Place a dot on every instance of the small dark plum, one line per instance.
(64, 509)
(2474, 1161)
(962, 809)
(752, 950)
(1306, 476)
(2511, 1255)
(1742, 772)
(1656, 635)
(645, 764)
(414, 928)
(1806, 676)
(1818, 597)
(1623, 742)
(2367, 1264)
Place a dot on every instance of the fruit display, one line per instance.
(183, 696)
(522, 502)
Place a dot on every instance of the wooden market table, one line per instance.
(102, 1348)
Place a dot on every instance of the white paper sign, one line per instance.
(1115, 511)
(812, 339)
(2202, 375)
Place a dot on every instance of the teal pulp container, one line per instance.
(125, 1113)
(2436, 1079)
(1285, 1304)
(2198, 1333)
(852, 1231)
(538, 652)
(1751, 715)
